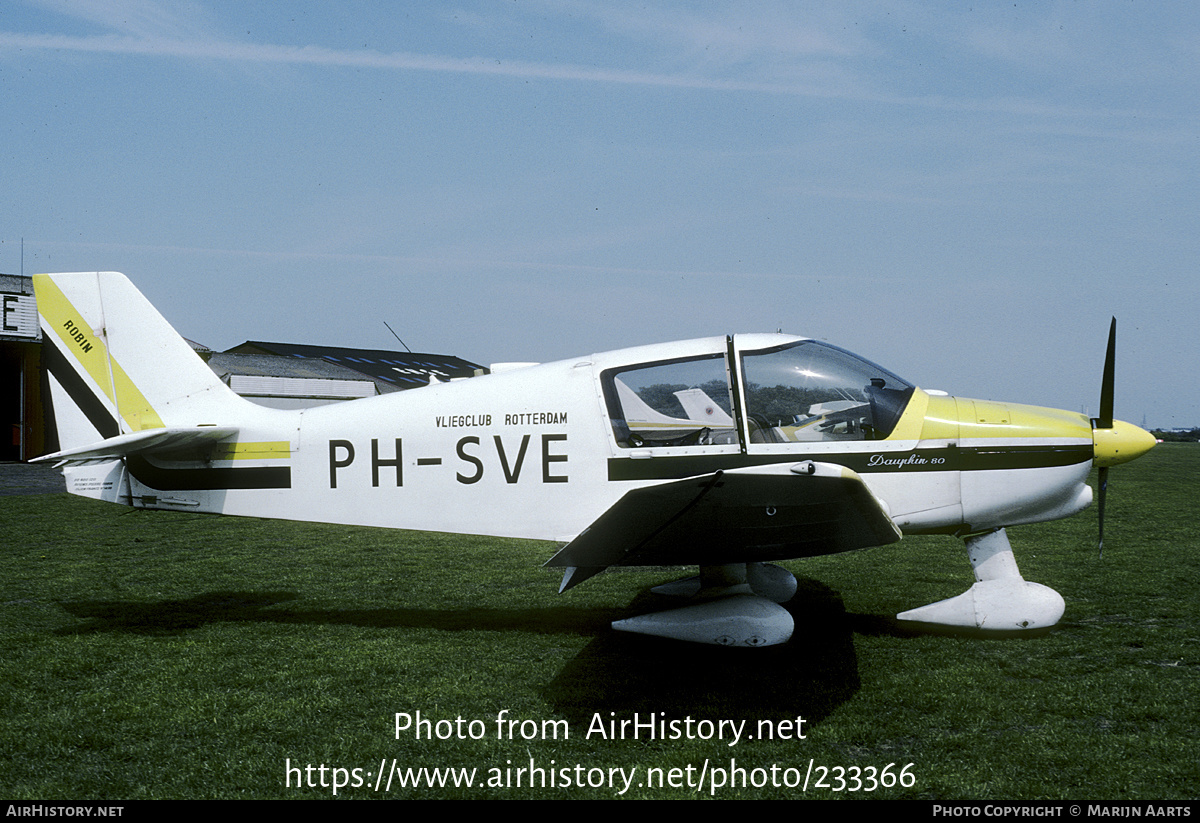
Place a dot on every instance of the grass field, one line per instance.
(182, 656)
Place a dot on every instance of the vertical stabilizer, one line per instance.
(116, 366)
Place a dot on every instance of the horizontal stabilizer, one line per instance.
(151, 441)
(738, 516)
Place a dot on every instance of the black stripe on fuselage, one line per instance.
(951, 458)
(212, 479)
(156, 477)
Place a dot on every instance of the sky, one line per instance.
(963, 193)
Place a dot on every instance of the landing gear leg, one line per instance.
(764, 579)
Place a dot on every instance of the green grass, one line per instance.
(148, 655)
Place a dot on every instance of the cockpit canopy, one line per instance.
(804, 391)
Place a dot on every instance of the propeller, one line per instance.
(1105, 420)
(1113, 441)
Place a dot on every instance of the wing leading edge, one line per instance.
(735, 516)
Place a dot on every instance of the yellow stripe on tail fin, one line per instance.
(117, 366)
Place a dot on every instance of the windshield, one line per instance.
(811, 391)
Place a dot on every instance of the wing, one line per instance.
(737, 516)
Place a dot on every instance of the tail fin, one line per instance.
(116, 366)
(699, 406)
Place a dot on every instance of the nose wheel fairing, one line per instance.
(1000, 600)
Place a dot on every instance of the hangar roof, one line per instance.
(407, 370)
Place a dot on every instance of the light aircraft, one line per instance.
(725, 453)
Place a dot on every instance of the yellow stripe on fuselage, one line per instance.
(81, 342)
(912, 422)
(267, 450)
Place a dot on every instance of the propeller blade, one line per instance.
(1105, 421)
(1100, 502)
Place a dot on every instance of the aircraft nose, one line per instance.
(1120, 444)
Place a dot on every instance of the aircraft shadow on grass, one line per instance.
(616, 672)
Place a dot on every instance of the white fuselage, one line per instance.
(531, 453)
